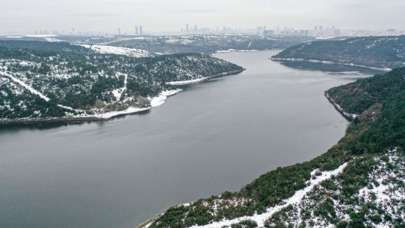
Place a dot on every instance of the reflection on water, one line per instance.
(213, 137)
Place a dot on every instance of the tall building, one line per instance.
(141, 30)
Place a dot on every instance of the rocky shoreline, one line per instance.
(348, 116)
(57, 121)
(328, 62)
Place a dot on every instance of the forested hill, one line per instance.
(46, 80)
(381, 101)
(377, 53)
(174, 44)
(360, 182)
(208, 43)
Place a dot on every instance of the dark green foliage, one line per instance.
(272, 187)
(31, 103)
(173, 217)
(198, 216)
(376, 218)
(43, 48)
(358, 96)
(236, 226)
(385, 51)
(329, 184)
(342, 224)
(386, 127)
(355, 176)
(326, 210)
(248, 224)
(357, 220)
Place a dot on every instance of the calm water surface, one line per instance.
(213, 137)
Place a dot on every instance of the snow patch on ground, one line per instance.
(187, 82)
(117, 93)
(383, 197)
(36, 92)
(71, 109)
(179, 41)
(130, 52)
(42, 36)
(21, 83)
(384, 189)
(294, 200)
(128, 111)
(161, 99)
(235, 50)
(52, 40)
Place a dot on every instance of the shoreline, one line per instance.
(327, 62)
(101, 117)
(348, 116)
(203, 79)
(61, 121)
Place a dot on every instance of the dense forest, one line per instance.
(375, 53)
(369, 192)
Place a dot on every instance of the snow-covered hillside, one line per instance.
(130, 52)
(42, 80)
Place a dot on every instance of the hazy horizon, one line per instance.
(106, 16)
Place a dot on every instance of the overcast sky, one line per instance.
(27, 16)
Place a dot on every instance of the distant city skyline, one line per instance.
(107, 16)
